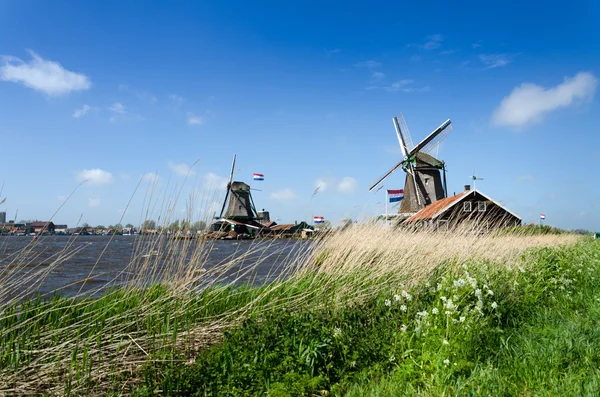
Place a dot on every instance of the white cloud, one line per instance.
(433, 41)
(95, 176)
(401, 86)
(368, 64)
(347, 185)
(117, 107)
(39, 74)
(151, 177)
(181, 169)
(80, 112)
(93, 202)
(194, 120)
(476, 45)
(285, 194)
(377, 76)
(214, 181)
(528, 102)
(322, 184)
(141, 95)
(176, 100)
(492, 61)
(61, 199)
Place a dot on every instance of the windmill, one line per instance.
(241, 206)
(423, 184)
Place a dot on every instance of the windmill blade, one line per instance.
(228, 187)
(2, 201)
(404, 138)
(434, 138)
(386, 175)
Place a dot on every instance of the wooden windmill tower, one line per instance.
(423, 184)
(241, 206)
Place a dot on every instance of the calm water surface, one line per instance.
(90, 263)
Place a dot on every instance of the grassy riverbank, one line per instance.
(364, 312)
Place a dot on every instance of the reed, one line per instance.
(167, 305)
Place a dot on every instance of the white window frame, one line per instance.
(467, 206)
(479, 206)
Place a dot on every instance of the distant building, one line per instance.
(42, 227)
(2, 217)
(61, 229)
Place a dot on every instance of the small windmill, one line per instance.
(475, 179)
(423, 184)
(241, 206)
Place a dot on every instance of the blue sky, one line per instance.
(118, 92)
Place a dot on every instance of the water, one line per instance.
(92, 263)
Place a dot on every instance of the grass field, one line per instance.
(363, 312)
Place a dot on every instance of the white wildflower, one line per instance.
(337, 332)
(403, 328)
(494, 305)
(445, 342)
(446, 362)
(424, 313)
(462, 319)
(490, 292)
(439, 286)
(403, 308)
(392, 358)
(397, 297)
(444, 299)
(459, 283)
(388, 302)
(478, 293)
(406, 295)
(435, 310)
(447, 312)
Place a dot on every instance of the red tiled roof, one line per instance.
(433, 209)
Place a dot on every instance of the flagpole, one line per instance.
(386, 208)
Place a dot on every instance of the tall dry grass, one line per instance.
(167, 303)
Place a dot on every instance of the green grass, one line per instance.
(473, 327)
(511, 338)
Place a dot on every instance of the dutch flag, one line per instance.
(318, 219)
(259, 177)
(542, 216)
(395, 195)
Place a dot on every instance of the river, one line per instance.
(72, 265)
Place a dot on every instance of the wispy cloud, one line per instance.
(93, 202)
(334, 51)
(377, 76)
(368, 64)
(448, 52)
(42, 75)
(530, 102)
(81, 112)
(347, 185)
(151, 177)
(214, 181)
(405, 85)
(118, 108)
(433, 41)
(477, 44)
(176, 100)
(322, 184)
(181, 169)
(141, 95)
(194, 119)
(284, 194)
(95, 176)
(491, 61)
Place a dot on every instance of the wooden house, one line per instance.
(469, 206)
(42, 227)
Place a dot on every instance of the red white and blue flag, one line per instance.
(542, 216)
(395, 195)
(259, 177)
(318, 219)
